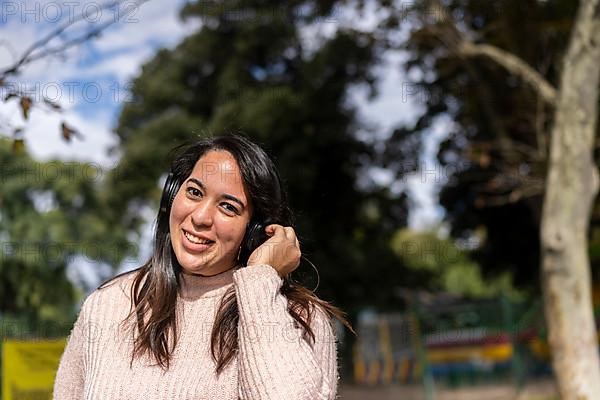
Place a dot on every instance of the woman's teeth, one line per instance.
(195, 239)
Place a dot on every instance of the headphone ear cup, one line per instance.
(255, 236)
(168, 194)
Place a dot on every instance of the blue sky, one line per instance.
(91, 82)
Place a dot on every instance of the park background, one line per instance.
(415, 160)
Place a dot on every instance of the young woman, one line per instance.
(213, 314)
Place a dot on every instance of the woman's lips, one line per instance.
(194, 247)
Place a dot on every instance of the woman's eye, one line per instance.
(229, 207)
(193, 191)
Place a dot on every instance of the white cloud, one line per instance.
(166, 28)
(393, 106)
(424, 185)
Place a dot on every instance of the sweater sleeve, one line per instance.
(69, 380)
(274, 361)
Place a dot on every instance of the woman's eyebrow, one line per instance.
(197, 182)
(226, 196)
(233, 198)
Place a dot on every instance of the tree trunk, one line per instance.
(571, 186)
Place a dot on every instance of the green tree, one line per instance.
(49, 214)
(446, 266)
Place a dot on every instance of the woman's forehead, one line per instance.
(219, 168)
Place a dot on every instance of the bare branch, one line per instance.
(514, 65)
(457, 41)
(68, 44)
(496, 200)
(41, 49)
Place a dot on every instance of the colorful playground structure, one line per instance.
(456, 343)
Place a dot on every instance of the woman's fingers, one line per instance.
(281, 232)
(275, 230)
(281, 250)
(289, 233)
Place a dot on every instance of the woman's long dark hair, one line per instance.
(154, 291)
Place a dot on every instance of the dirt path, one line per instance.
(543, 390)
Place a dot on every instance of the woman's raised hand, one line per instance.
(281, 251)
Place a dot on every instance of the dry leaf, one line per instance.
(26, 106)
(53, 105)
(18, 146)
(68, 132)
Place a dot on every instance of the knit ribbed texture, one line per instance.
(273, 361)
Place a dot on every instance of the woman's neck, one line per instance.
(195, 286)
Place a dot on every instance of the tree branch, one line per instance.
(41, 48)
(514, 65)
(456, 40)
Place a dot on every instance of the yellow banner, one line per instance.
(491, 352)
(29, 368)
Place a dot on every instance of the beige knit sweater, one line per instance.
(273, 361)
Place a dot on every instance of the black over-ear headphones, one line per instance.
(255, 230)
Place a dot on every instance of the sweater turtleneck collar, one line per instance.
(194, 287)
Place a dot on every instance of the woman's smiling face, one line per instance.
(209, 215)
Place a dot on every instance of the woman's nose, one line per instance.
(202, 214)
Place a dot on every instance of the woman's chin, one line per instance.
(205, 263)
(195, 267)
